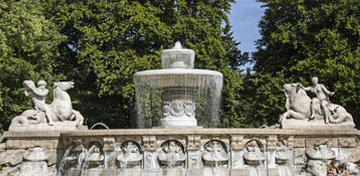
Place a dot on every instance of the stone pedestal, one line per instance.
(178, 107)
(315, 124)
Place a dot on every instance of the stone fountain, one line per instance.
(172, 103)
(181, 89)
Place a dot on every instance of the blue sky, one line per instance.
(244, 18)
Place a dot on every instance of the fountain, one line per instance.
(182, 91)
(173, 103)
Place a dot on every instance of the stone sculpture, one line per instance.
(322, 98)
(283, 153)
(95, 156)
(318, 158)
(172, 155)
(34, 163)
(181, 89)
(57, 116)
(215, 158)
(178, 108)
(282, 159)
(254, 159)
(73, 159)
(130, 156)
(253, 154)
(38, 97)
(215, 154)
(69, 160)
(317, 111)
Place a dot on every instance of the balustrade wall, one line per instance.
(191, 151)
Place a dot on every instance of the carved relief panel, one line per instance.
(215, 153)
(172, 154)
(130, 155)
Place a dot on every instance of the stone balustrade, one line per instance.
(191, 151)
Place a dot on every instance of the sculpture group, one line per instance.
(312, 111)
(181, 151)
(57, 116)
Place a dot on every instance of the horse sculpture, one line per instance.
(60, 109)
(298, 106)
(61, 106)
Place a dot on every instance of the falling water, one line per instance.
(82, 160)
(87, 155)
(206, 89)
(63, 160)
(178, 82)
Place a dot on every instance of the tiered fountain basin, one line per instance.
(180, 89)
(178, 86)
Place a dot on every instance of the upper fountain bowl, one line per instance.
(177, 57)
(178, 64)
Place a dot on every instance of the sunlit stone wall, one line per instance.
(190, 151)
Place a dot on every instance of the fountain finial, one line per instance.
(177, 57)
(178, 45)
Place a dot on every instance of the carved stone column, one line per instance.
(271, 148)
(193, 149)
(109, 146)
(237, 146)
(150, 154)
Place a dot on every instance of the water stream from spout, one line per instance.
(63, 160)
(99, 124)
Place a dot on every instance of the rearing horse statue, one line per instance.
(60, 110)
(61, 106)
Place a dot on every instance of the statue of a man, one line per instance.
(322, 95)
(38, 97)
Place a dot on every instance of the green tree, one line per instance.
(304, 38)
(259, 100)
(28, 50)
(108, 41)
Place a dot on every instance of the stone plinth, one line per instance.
(25, 140)
(45, 127)
(314, 124)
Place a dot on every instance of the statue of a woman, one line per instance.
(322, 96)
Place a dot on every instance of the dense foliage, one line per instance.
(108, 41)
(28, 50)
(304, 38)
(115, 39)
(101, 44)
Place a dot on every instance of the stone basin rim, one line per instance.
(213, 132)
(185, 131)
(177, 71)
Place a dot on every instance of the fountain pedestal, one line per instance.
(178, 107)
